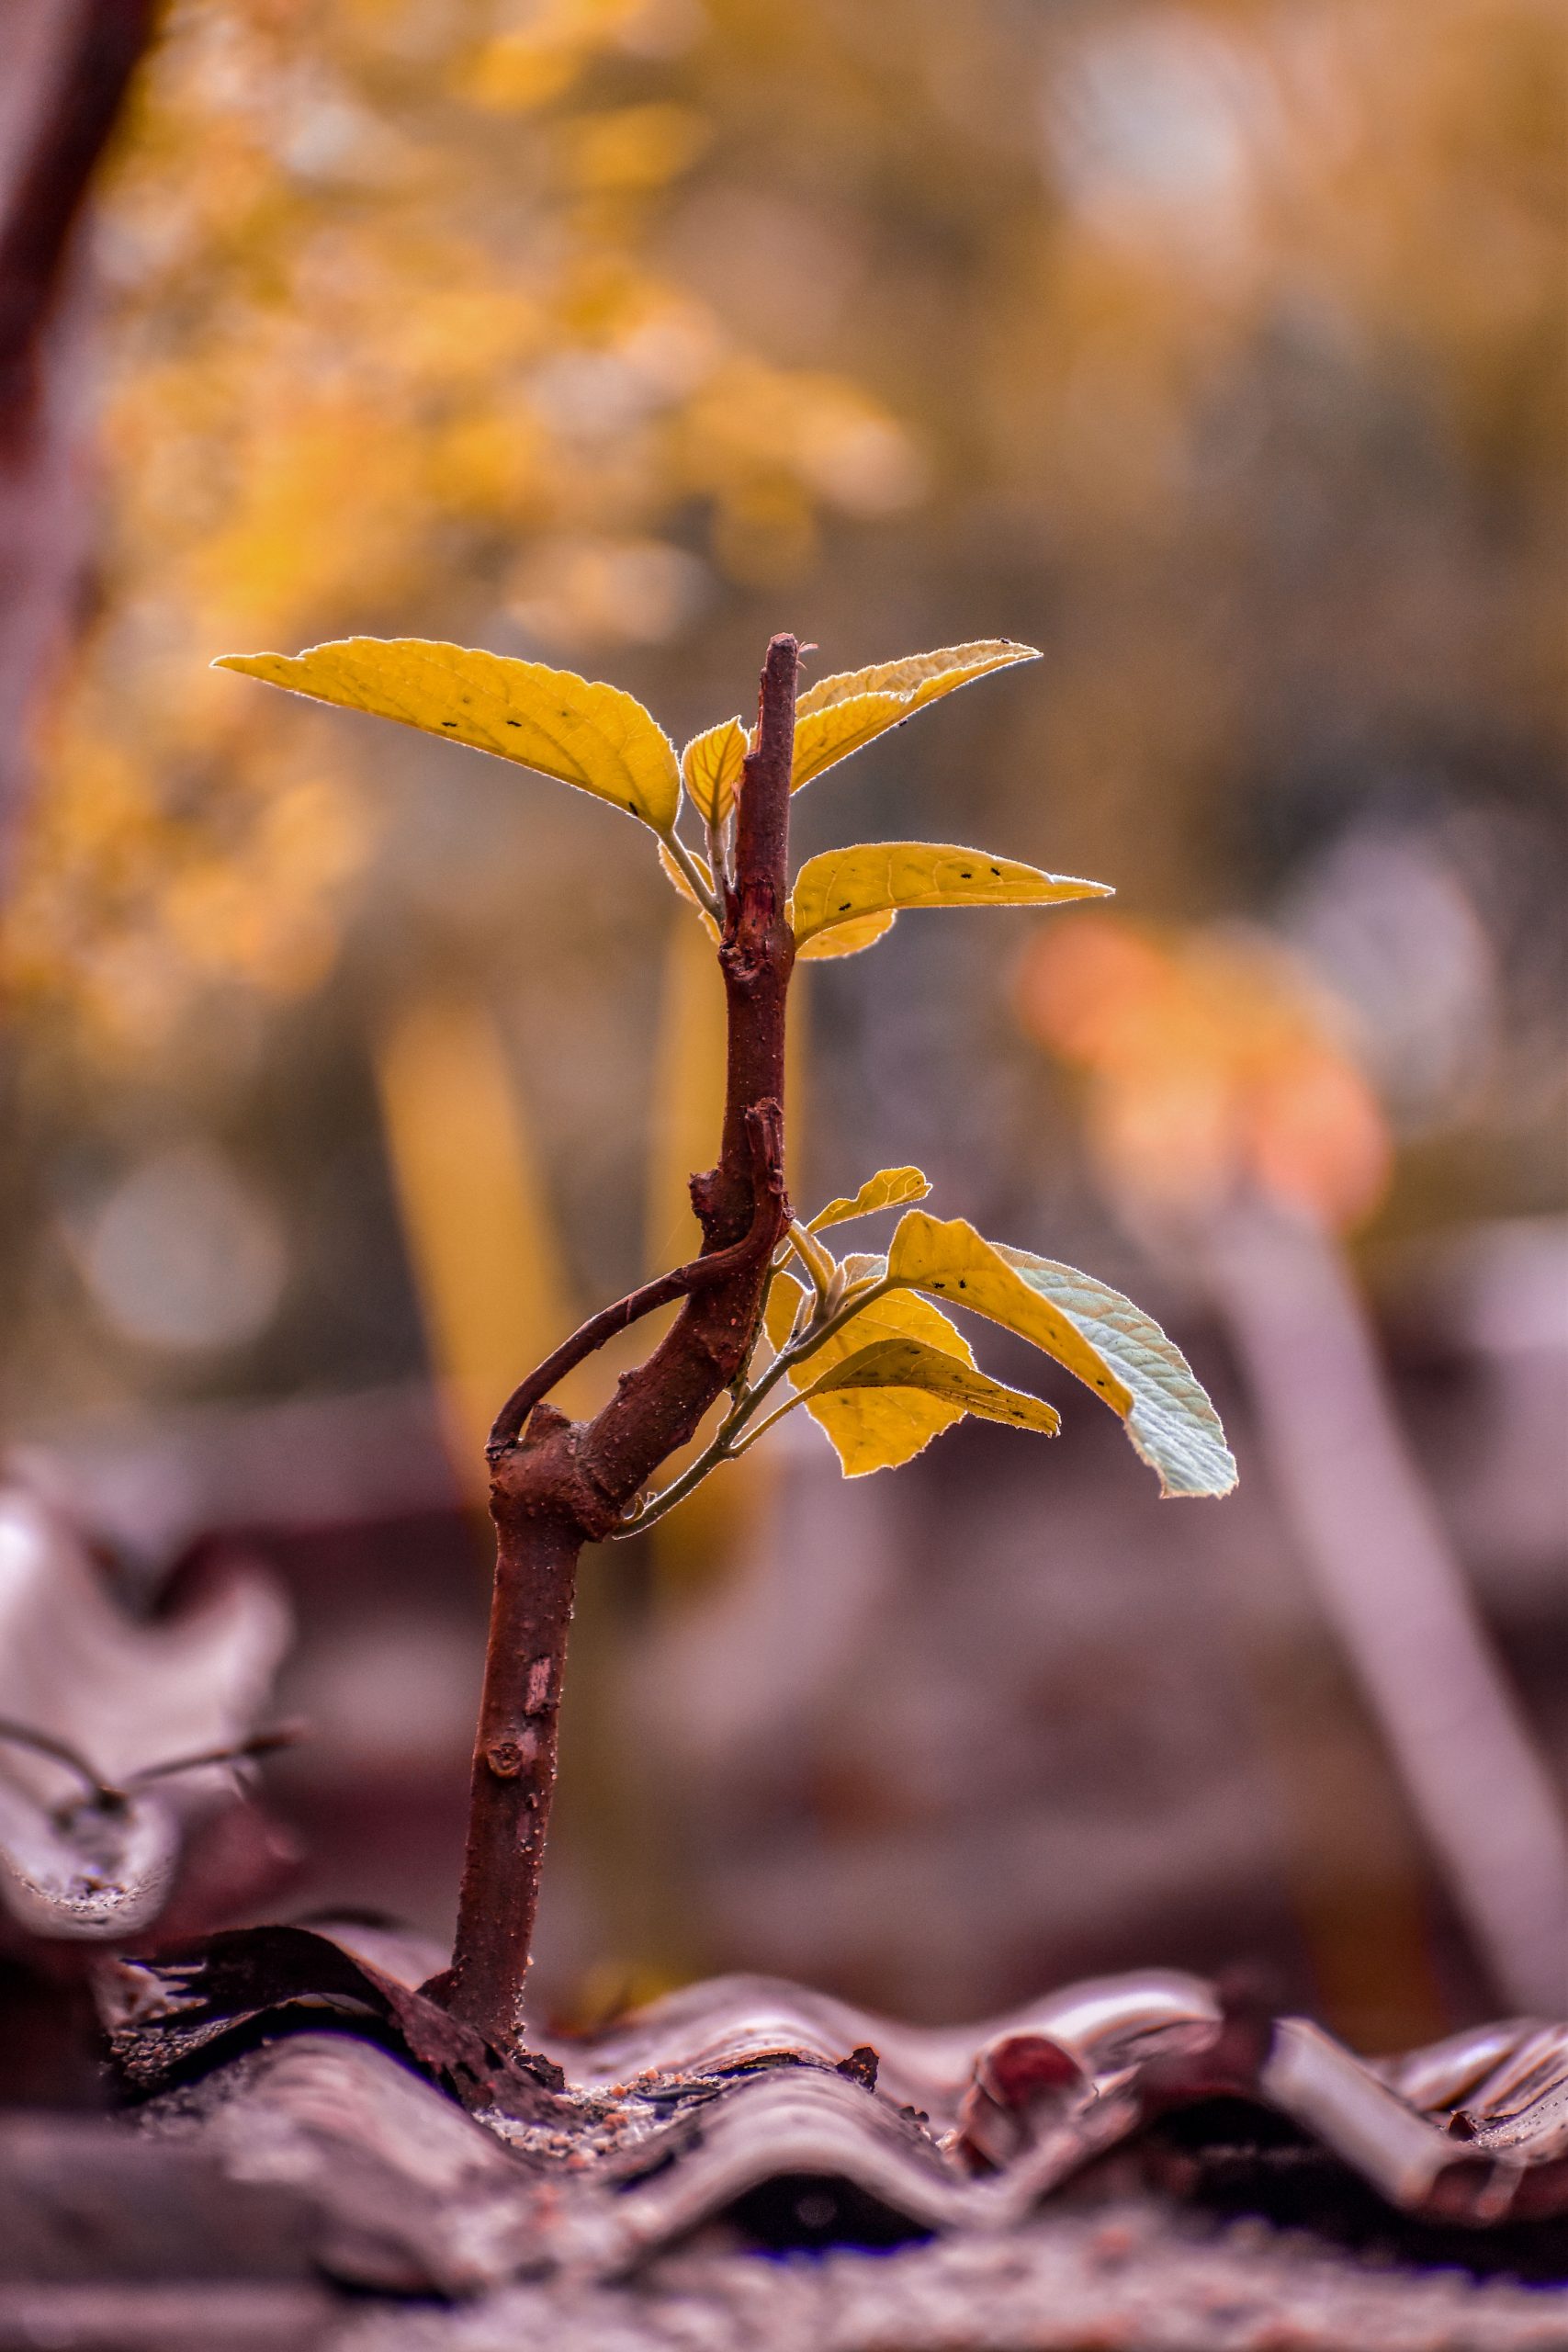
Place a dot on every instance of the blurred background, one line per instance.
(1216, 350)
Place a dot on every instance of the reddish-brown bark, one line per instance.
(558, 1484)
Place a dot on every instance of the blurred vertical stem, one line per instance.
(558, 1484)
(68, 69)
(1395, 1593)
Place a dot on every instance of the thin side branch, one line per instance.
(699, 1274)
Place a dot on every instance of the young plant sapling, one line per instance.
(770, 1318)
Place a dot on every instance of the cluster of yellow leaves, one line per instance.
(885, 1380)
(898, 1371)
(1216, 1065)
(603, 740)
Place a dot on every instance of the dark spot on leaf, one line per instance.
(998, 872)
(448, 722)
(844, 905)
(962, 1283)
(514, 722)
(965, 874)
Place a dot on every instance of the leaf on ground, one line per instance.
(845, 886)
(855, 1395)
(842, 714)
(1108, 1342)
(711, 765)
(890, 1188)
(684, 888)
(593, 736)
(126, 1694)
(874, 1429)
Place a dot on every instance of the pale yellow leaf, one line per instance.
(845, 938)
(890, 1188)
(839, 715)
(711, 765)
(551, 720)
(1110, 1343)
(894, 1424)
(844, 886)
(853, 1401)
(684, 888)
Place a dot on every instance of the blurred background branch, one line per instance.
(68, 66)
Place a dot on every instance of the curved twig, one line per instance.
(716, 1266)
(60, 1751)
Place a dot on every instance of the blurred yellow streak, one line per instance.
(481, 1234)
(688, 1092)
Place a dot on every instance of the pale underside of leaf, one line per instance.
(1108, 1342)
(711, 765)
(845, 886)
(593, 736)
(852, 1400)
(685, 889)
(841, 715)
(845, 938)
(890, 1188)
(893, 1425)
(1172, 1423)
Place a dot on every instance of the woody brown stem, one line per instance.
(557, 1484)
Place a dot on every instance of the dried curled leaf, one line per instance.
(897, 1369)
(841, 715)
(874, 1429)
(890, 1188)
(81, 1677)
(711, 765)
(1111, 1344)
(844, 886)
(589, 735)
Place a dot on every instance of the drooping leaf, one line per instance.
(844, 885)
(840, 715)
(594, 736)
(890, 1188)
(1111, 1344)
(711, 765)
(851, 1400)
(685, 889)
(874, 1429)
(845, 938)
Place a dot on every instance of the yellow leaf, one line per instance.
(892, 1424)
(839, 715)
(845, 938)
(844, 885)
(593, 736)
(890, 1188)
(684, 888)
(1110, 1343)
(711, 765)
(854, 1397)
